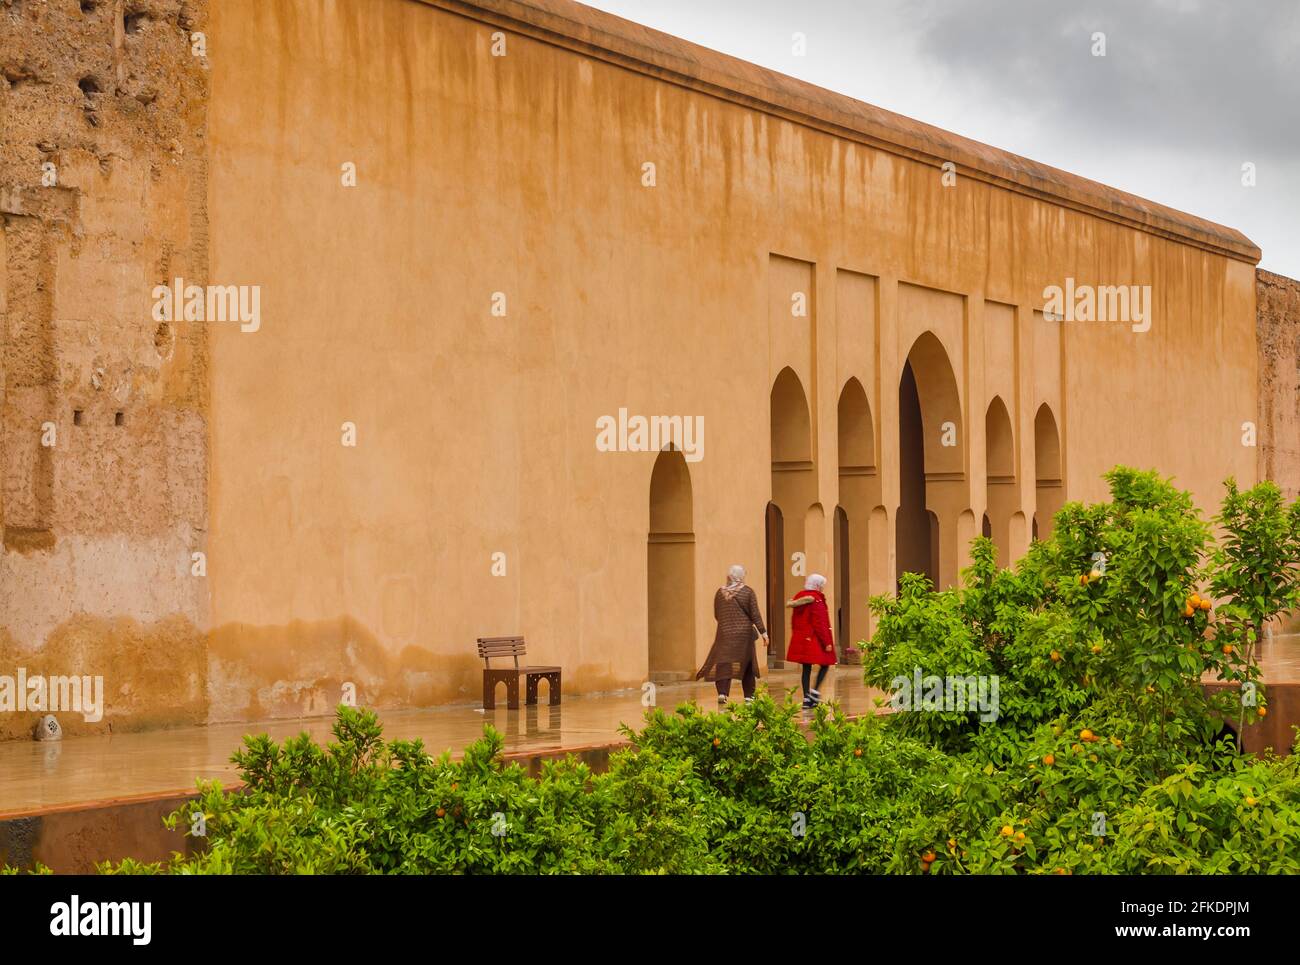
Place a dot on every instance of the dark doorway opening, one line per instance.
(913, 540)
(775, 527)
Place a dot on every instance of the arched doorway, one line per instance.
(842, 578)
(1000, 467)
(794, 490)
(1049, 485)
(911, 526)
(774, 563)
(932, 466)
(859, 496)
(670, 568)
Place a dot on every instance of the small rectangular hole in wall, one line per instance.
(76, 417)
(119, 419)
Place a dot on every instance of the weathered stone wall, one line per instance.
(1278, 337)
(103, 450)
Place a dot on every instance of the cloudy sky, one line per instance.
(1188, 90)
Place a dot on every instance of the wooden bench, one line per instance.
(489, 647)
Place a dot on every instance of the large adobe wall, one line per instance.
(523, 175)
(1279, 381)
(377, 564)
(102, 196)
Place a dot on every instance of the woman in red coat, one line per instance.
(810, 636)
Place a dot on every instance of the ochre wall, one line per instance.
(522, 174)
(476, 433)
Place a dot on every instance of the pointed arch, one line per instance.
(791, 424)
(857, 432)
(940, 401)
(1048, 482)
(999, 441)
(932, 461)
(859, 496)
(794, 489)
(1000, 469)
(670, 570)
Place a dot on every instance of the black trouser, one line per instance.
(822, 670)
(746, 682)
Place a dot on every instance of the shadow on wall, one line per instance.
(305, 669)
(153, 675)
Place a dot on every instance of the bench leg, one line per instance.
(489, 692)
(554, 680)
(530, 690)
(512, 692)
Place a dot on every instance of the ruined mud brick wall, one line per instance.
(103, 424)
(1278, 334)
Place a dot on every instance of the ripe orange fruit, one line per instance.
(1227, 650)
(1094, 576)
(1055, 655)
(928, 857)
(1205, 604)
(1117, 742)
(1263, 712)
(1007, 831)
(1096, 648)
(441, 812)
(1049, 759)
(1194, 601)
(1087, 735)
(1020, 835)
(1251, 802)
(717, 742)
(857, 752)
(1059, 871)
(1083, 579)
(1187, 610)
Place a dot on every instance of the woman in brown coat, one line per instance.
(735, 607)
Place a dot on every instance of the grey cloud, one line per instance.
(1194, 75)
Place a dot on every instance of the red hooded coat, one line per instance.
(810, 631)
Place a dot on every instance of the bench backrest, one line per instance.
(489, 647)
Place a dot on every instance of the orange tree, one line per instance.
(1256, 575)
(1105, 612)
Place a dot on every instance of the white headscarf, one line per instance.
(735, 578)
(815, 582)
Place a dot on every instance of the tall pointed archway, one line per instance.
(859, 496)
(1048, 482)
(932, 464)
(1000, 469)
(794, 490)
(670, 569)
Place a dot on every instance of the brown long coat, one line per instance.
(733, 645)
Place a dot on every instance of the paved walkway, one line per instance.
(84, 769)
